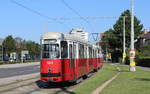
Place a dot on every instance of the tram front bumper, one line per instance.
(51, 77)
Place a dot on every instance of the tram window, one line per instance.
(81, 51)
(90, 52)
(70, 51)
(50, 51)
(64, 49)
(85, 52)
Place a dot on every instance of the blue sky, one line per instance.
(19, 22)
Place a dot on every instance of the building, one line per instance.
(143, 39)
(80, 33)
(1, 49)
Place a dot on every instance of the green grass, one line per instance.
(105, 74)
(130, 83)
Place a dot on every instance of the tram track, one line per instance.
(30, 86)
(17, 84)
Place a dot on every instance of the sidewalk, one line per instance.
(19, 65)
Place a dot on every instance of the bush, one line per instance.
(145, 62)
(143, 56)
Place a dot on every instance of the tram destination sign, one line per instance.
(48, 41)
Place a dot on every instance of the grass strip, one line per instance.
(130, 82)
(97, 80)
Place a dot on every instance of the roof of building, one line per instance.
(145, 35)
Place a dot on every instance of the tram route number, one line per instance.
(49, 62)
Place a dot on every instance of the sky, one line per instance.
(20, 22)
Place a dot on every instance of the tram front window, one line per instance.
(50, 51)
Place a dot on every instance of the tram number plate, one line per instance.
(49, 62)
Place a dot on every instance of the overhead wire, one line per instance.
(88, 17)
(78, 14)
(36, 12)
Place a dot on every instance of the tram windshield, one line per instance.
(50, 51)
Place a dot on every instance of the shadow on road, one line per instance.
(64, 90)
(62, 85)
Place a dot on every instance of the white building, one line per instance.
(80, 33)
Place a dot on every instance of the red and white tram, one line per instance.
(66, 57)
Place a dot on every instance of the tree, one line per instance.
(118, 28)
(9, 44)
(144, 51)
(114, 37)
(33, 48)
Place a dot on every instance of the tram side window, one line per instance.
(81, 51)
(85, 52)
(93, 54)
(70, 51)
(64, 49)
(90, 52)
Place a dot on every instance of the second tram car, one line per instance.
(66, 57)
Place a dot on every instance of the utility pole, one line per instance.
(124, 40)
(132, 51)
(106, 55)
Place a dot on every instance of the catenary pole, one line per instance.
(132, 50)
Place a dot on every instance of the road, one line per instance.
(16, 71)
(13, 80)
(30, 84)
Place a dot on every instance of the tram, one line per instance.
(67, 57)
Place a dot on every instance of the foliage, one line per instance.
(144, 51)
(17, 44)
(33, 48)
(9, 44)
(118, 28)
(143, 62)
(143, 56)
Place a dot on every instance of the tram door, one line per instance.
(74, 58)
(72, 51)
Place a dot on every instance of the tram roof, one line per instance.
(61, 36)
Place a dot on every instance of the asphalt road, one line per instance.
(16, 71)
